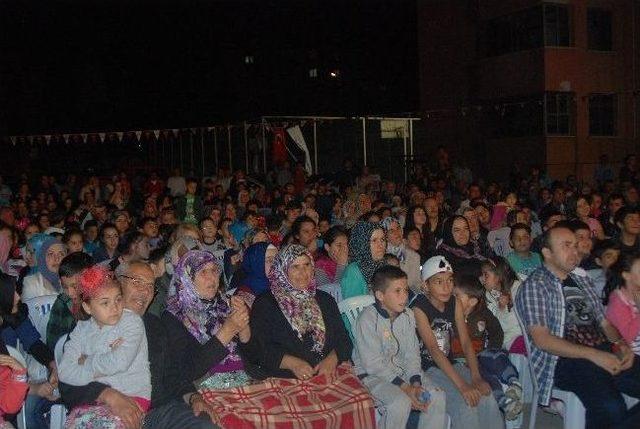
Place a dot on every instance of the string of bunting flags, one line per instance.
(269, 125)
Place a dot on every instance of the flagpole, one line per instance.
(215, 147)
(264, 146)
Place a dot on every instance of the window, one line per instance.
(313, 73)
(599, 29)
(511, 33)
(514, 117)
(602, 114)
(556, 25)
(559, 109)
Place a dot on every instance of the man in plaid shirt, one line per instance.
(572, 343)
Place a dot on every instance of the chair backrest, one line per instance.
(39, 312)
(527, 341)
(351, 307)
(332, 289)
(14, 353)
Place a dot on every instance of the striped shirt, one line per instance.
(540, 302)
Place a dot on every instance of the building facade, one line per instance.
(525, 82)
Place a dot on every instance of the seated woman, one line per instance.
(297, 331)
(46, 280)
(331, 263)
(256, 264)
(206, 329)
(465, 256)
(367, 245)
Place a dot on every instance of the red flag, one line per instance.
(279, 149)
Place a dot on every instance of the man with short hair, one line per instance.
(572, 344)
(608, 218)
(137, 281)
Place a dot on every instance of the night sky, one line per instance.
(94, 66)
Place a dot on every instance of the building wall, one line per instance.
(454, 73)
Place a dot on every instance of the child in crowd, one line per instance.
(91, 241)
(605, 254)
(74, 240)
(391, 259)
(211, 241)
(500, 284)
(439, 317)
(522, 259)
(622, 294)
(486, 338)
(387, 356)
(62, 318)
(109, 346)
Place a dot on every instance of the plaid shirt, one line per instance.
(540, 302)
(61, 321)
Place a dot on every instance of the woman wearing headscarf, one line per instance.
(464, 255)
(297, 330)
(409, 259)
(206, 329)
(45, 281)
(367, 244)
(256, 264)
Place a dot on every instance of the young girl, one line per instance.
(500, 282)
(487, 337)
(622, 293)
(109, 347)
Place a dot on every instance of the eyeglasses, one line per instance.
(139, 283)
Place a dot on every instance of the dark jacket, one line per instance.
(272, 336)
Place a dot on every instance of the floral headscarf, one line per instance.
(202, 318)
(298, 306)
(360, 248)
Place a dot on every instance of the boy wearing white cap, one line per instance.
(439, 318)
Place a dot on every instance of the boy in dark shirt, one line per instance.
(486, 338)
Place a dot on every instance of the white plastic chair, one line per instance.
(351, 307)
(14, 353)
(39, 312)
(332, 289)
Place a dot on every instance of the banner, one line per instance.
(279, 148)
(298, 138)
(393, 128)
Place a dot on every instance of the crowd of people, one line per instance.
(144, 301)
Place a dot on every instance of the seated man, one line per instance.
(573, 345)
(166, 411)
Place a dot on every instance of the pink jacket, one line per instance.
(624, 315)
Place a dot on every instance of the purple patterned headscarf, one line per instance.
(202, 318)
(299, 306)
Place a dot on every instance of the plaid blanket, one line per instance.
(339, 401)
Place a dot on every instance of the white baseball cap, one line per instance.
(435, 265)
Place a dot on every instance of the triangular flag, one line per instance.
(102, 136)
(175, 131)
(138, 134)
(156, 133)
(13, 140)
(65, 137)
(84, 137)
(119, 134)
